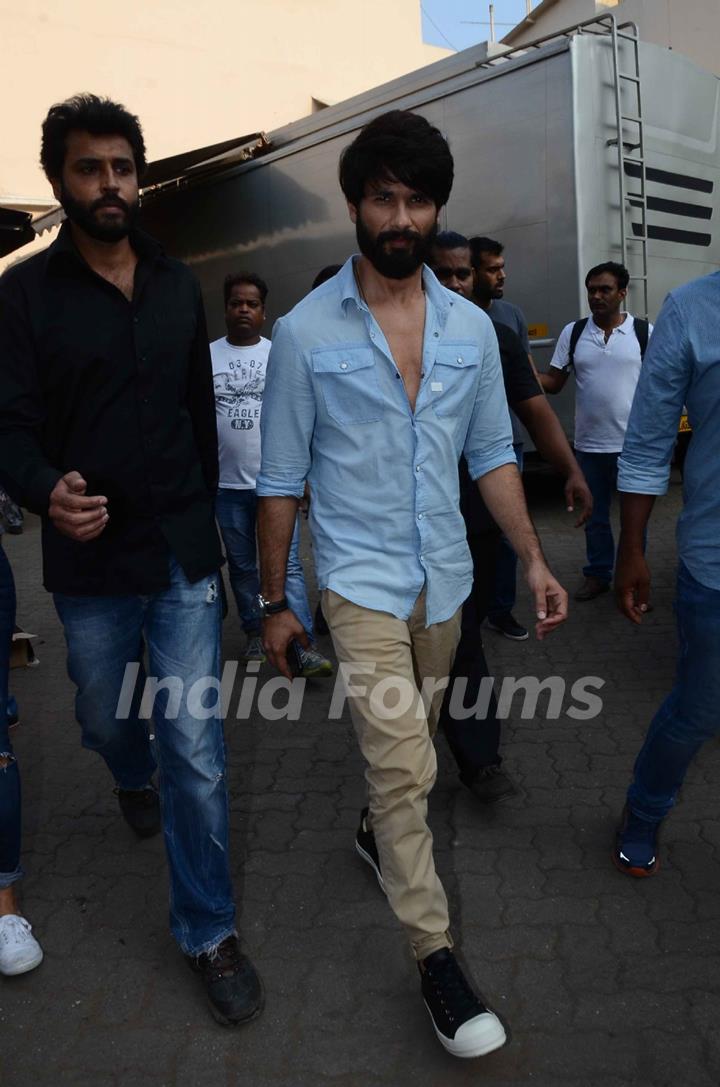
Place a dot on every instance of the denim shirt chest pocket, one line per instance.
(348, 380)
(454, 377)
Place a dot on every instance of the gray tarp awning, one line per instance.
(15, 230)
(203, 159)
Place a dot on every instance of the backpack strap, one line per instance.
(642, 331)
(577, 331)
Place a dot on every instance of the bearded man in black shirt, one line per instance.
(107, 430)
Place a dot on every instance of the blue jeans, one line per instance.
(236, 513)
(504, 590)
(600, 471)
(10, 806)
(689, 715)
(181, 628)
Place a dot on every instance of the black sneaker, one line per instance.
(490, 785)
(231, 982)
(365, 845)
(506, 624)
(462, 1023)
(141, 809)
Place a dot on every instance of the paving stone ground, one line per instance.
(604, 981)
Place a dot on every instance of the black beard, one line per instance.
(83, 216)
(398, 264)
(482, 296)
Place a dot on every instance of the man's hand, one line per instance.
(277, 633)
(551, 600)
(73, 513)
(578, 492)
(632, 584)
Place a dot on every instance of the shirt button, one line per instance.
(343, 366)
(420, 516)
(436, 334)
(418, 468)
(460, 361)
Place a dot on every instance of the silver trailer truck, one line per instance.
(581, 148)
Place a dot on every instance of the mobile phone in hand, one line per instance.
(294, 658)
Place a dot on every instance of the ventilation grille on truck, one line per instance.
(689, 209)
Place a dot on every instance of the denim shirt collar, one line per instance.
(440, 298)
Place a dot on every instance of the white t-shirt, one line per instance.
(239, 381)
(606, 375)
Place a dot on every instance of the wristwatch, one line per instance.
(271, 607)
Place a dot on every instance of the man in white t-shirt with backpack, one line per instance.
(239, 361)
(606, 351)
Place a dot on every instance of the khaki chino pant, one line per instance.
(385, 662)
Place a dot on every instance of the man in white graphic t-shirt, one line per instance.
(239, 361)
(606, 352)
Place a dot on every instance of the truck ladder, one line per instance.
(630, 152)
(624, 39)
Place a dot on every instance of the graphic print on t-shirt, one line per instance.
(239, 384)
(239, 392)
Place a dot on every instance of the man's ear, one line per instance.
(352, 212)
(56, 186)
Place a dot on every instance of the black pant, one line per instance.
(474, 743)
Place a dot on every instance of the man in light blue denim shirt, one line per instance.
(682, 367)
(377, 382)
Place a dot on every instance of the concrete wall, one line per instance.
(691, 27)
(194, 73)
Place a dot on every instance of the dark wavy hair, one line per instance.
(398, 146)
(619, 271)
(235, 279)
(450, 239)
(88, 113)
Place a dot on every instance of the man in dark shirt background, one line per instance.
(476, 744)
(107, 430)
(488, 288)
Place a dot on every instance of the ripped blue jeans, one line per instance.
(181, 629)
(10, 812)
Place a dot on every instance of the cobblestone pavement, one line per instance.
(604, 981)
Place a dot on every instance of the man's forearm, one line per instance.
(503, 494)
(276, 524)
(546, 431)
(634, 516)
(553, 380)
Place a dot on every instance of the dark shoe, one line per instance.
(365, 845)
(321, 626)
(314, 665)
(635, 851)
(507, 625)
(254, 650)
(141, 809)
(462, 1023)
(592, 587)
(233, 987)
(491, 784)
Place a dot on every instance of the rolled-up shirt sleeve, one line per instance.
(287, 421)
(489, 441)
(644, 464)
(24, 468)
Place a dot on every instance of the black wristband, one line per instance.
(272, 607)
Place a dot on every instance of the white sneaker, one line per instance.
(19, 950)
